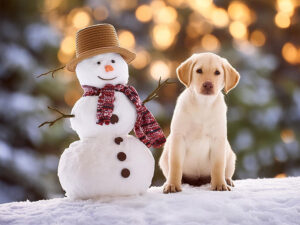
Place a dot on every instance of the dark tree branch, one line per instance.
(51, 71)
(57, 119)
(154, 93)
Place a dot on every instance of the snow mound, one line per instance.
(259, 201)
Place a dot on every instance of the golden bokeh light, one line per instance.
(165, 15)
(71, 96)
(157, 4)
(285, 6)
(257, 38)
(287, 135)
(200, 4)
(81, 19)
(163, 36)
(126, 39)
(100, 13)
(240, 12)
(282, 20)
(63, 58)
(210, 42)
(67, 45)
(118, 5)
(280, 175)
(142, 59)
(204, 7)
(176, 3)
(144, 13)
(51, 4)
(238, 30)
(219, 17)
(159, 69)
(290, 53)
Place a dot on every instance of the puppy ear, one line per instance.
(184, 71)
(231, 76)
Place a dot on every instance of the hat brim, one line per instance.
(126, 54)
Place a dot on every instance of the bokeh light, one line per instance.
(159, 69)
(119, 5)
(71, 96)
(219, 17)
(257, 38)
(142, 59)
(126, 39)
(163, 36)
(177, 3)
(67, 45)
(210, 42)
(280, 175)
(100, 13)
(285, 6)
(81, 19)
(238, 30)
(144, 13)
(240, 12)
(51, 4)
(290, 53)
(165, 15)
(282, 20)
(287, 135)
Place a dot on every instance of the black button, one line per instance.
(118, 140)
(121, 156)
(125, 173)
(114, 119)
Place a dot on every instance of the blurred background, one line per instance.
(260, 38)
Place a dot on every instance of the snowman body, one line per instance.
(106, 161)
(93, 167)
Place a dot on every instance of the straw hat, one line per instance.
(97, 39)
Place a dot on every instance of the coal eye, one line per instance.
(217, 72)
(113, 61)
(199, 70)
(98, 62)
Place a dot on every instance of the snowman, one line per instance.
(107, 161)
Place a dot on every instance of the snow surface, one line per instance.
(260, 201)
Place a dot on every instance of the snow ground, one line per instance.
(259, 202)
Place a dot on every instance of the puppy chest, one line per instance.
(197, 158)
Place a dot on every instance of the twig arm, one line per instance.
(50, 123)
(51, 71)
(154, 93)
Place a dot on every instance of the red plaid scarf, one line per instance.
(146, 128)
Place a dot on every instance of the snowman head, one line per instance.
(102, 69)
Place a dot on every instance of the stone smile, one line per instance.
(107, 79)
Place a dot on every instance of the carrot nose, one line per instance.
(108, 68)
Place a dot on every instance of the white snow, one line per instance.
(259, 202)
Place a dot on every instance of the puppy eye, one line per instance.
(217, 72)
(98, 62)
(113, 61)
(199, 71)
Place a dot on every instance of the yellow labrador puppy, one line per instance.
(197, 150)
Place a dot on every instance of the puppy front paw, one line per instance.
(229, 182)
(220, 186)
(171, 188)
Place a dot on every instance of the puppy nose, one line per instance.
(208, 85)
(108, 68)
